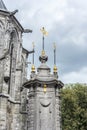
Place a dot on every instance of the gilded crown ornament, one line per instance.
(44, 33)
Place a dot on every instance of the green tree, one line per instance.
(74, 107)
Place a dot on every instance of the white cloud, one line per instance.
(66, 22)
(77, 76)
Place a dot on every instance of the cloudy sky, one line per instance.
(66, 22)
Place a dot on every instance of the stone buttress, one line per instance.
(13, 58)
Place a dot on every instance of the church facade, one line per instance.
(13, 72)
(24, 105)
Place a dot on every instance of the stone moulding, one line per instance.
(36, 81)
(14, 102)
(4, 95)
(9, 99)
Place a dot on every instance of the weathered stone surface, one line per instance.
(13, 73)
(25, 105)
(43, 99)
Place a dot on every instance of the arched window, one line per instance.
(13, 55)
(7, 40)
(1, 36)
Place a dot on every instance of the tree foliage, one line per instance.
(74, 107)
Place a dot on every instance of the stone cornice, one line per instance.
(9, 98)
(36, 81)
(4, 95)
(12, 101)
(26, 51)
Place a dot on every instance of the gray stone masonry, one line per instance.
(43, 105)
(13, 74)
(25, 104)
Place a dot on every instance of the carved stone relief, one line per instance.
(45, 114)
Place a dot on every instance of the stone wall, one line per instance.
(12, 73)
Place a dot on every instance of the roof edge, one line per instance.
(2, 5)
(7, 13)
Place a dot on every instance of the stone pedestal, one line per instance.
(43, 99)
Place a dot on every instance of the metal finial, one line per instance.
(55, 68)
(33, 67)
(45, 33)
(54, 44)
(33, 52)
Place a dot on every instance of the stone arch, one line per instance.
(1, 25)
(13, 57)
(14, 35)
(1, 33)
(13, 39)
(1, 55)
(13, 47)
(23, 62)
(7, 39)
(23, 69)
